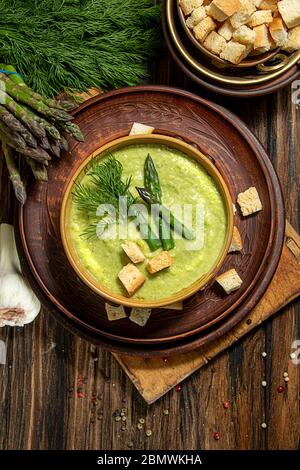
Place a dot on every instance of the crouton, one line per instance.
(236, 242)
(243, 15)
(268, 5)
(138, 128)
(133, 252)
(290, 12)
(131, 278)
(198, 15)
(202, 30)
(115, 312)
(278, 32)
(220, 10)
(249, 201)
(263, 39)
(260, 17)
(188, 6)
(293, 41)
(226, 30)
(189, 22)
(159, 262)
(244, 35)
(230, 281)
(234, 52)
(214, 43)
(140, 316)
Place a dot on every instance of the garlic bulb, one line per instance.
(18, 303)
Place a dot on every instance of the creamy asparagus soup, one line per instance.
(182, 181)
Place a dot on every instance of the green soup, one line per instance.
(183, 181)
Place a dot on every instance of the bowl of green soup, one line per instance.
(146, 221)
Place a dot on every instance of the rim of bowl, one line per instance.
(88, 278)
(246, 63)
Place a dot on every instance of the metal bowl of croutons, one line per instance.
(234, 42)
(224, 37)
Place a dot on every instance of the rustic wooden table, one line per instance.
(59, 392)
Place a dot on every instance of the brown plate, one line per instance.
(225, 83)
(237, 155)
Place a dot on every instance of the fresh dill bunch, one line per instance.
(106, 186)
(71, 45)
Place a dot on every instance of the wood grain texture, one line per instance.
(37, 412)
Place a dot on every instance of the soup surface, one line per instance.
(183, 181)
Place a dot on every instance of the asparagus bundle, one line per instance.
(31, 128)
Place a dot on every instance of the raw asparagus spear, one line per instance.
(14, 174)
(72, 129)
(44, 143)
(55, 147)
(63, 143)
(10, 121)
(39, 170)
(22, 95)
(14, 137)
(24, 115)
(29, 138)
(49, 127)
(67, 105)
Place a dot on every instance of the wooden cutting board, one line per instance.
(153, 377)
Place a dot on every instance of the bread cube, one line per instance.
(263, 39)
(138, 128)
(244, 35)
(189, 22)
(115, 312)
(244, 14)
(159, 262)
(293, 41)
(290, 12)
(198, 15)
(188, 6)
(220, 10)
(234, 52)
(131, 278)
(236, 242)
(215, 43)
(226, 30)
(278, 32)
(202, 30)
(260, 17)
(140, 316)
(249, 201)
(268, 5)
(133, 252)
(230, 281)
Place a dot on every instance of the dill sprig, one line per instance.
(63, 45)
(105, 187)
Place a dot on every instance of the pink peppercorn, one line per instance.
(217, 436)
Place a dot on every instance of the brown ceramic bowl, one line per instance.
(249, 62)
(84, 274)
